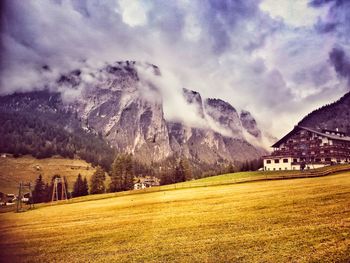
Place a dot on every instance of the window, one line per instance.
(328, 159)
(295, 160)
(268, 161)
(285, 160)
(277, 161)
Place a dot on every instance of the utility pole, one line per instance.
(55, 190)
(19, 206)
(19, 198)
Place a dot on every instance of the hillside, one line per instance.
(300, 220)
(37, 124)
(27, 169)
(331, 116)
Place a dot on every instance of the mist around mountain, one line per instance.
(122, 108)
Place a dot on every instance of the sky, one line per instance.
(277, 59)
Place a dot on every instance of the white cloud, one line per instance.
(293, 12)
(192, 30)
(133, 12)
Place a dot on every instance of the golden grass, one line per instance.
(300, 220)
(14, 170)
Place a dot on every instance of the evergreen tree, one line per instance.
(47, 193)
(129, 173)
(179, 174)
(167, 177)
(39, 192)
(122, 174)
(85, 188)
(230, 168)
(116, 184)
(78, 187)
(183, 171)
(97, 181)
(187, 169)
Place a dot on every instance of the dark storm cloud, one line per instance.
(338, 18)
(341, 62)
(221, 17)
(319, 3)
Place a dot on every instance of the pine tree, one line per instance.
(230, 168)
(187, 169)
(116, 184)
(122, 174)
(97, 181)
(183, 171)
(129, 173)
(39, 192)
(48, 192)
(85, 188)
(78, 187)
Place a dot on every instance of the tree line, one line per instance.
(122, 173)
(43, 191)
(43, 135)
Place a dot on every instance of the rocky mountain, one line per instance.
(116, 104)
(332, 116)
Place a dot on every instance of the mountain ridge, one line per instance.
(332, 116)
(126, 111)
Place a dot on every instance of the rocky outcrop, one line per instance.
(249, 123)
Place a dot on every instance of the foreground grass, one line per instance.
(301, 220)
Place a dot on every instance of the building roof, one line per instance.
(298, 128)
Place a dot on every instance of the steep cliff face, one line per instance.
(127, 112)
(221, 139)
(249, 123)
(224, 118)
(332, 116)
(117, 107)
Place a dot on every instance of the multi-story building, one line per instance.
(305, 148)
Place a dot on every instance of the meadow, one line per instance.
(27, 169)
(299, 220)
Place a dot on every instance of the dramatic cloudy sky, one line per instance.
(279, 59)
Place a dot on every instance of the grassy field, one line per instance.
(27, 169)
(300, 220)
